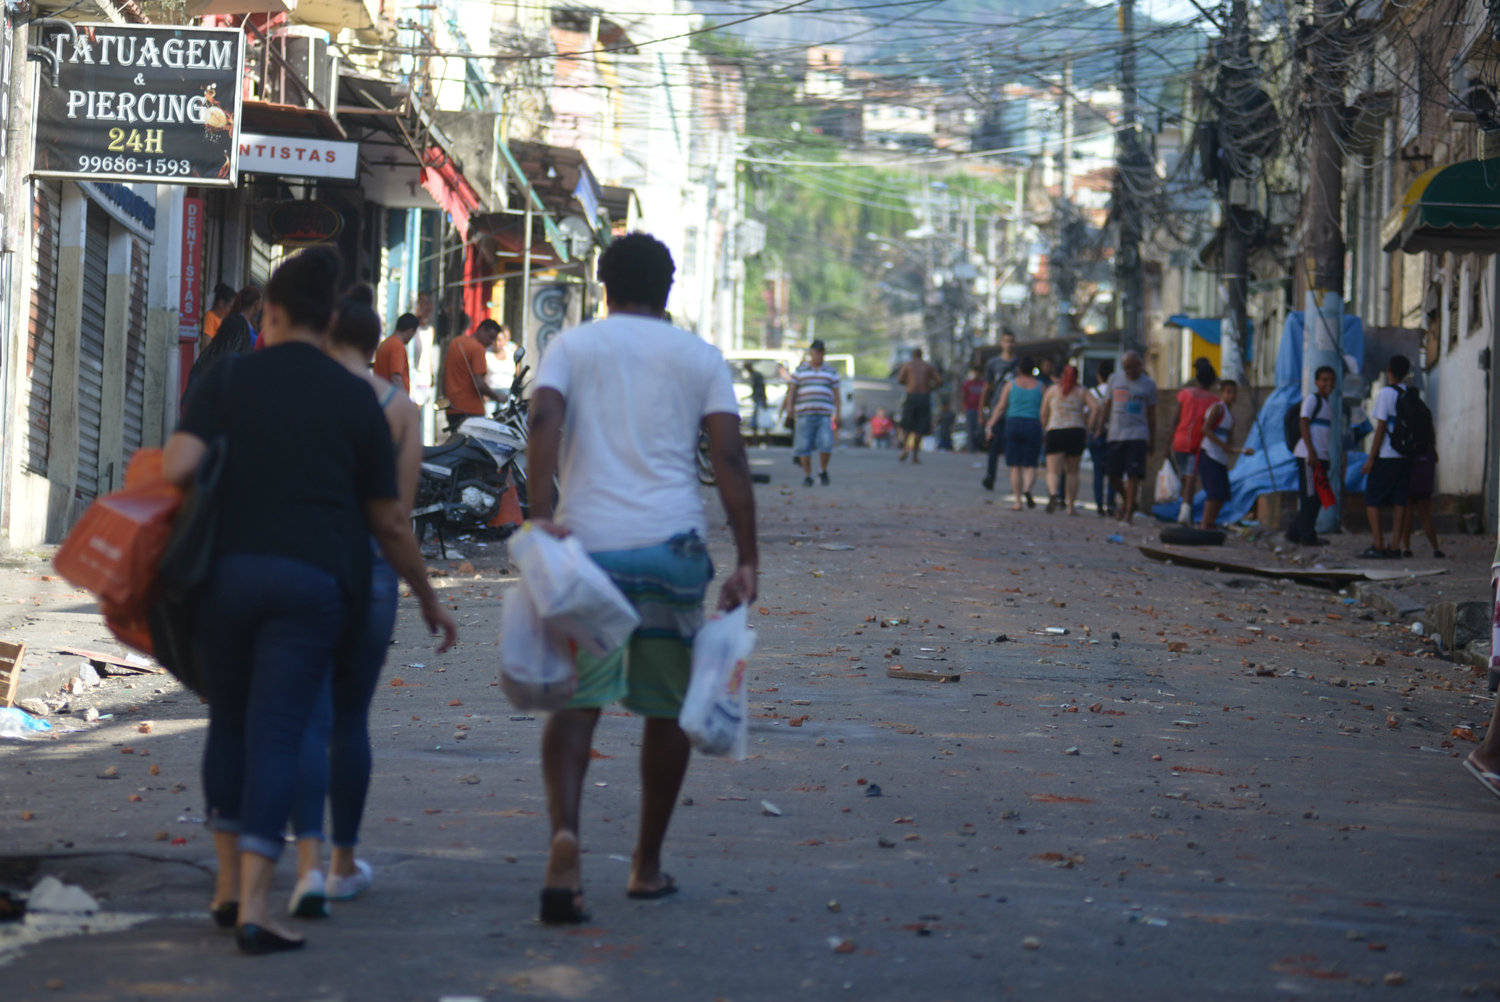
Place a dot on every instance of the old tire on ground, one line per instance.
(1187, 535)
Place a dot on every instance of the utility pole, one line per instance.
(1323, 251)
(1065, 279)
(1130, 184)
(1233, 78)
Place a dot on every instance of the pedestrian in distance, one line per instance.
(336, 757)
(309, 475)
(1130, 416)
(464, 369)
(617, 413)
(1314, 424)
(217, 310)
(1193, 402)
(391, 361)
(945, 421)
(972, 395)
(1215, 452)
(919, 379)
(1387, 471)
(1021, 404)
(881, 428)
(236, 335)
(1104, 488)
(997, 373)
(1066, 411)
(813, 399)
(1419, 501)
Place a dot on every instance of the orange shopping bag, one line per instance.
(115, 548)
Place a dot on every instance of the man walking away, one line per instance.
(997, 372)
(464, 368)
(618, 409)
(391, 362)
(1130, 416)
(919, 379)
(813, 399)
(1314, 421)
(1103, 502)
(1387, 470)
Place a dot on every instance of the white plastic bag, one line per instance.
(537, 669)
(714, 713)
(572, 594)
(1167, 484)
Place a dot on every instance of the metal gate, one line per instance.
(46, 222)
(91, 351)
(132, 429)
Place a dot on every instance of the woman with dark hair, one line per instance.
(336, 746)
(308, 474)
(1020, 404)
(235, 335)
(1193, 402)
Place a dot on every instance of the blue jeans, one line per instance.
(1103, 489)
(268, 629)
(813, 433)
(335, 760)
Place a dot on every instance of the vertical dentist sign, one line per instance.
(140, 103)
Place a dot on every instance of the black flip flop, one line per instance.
(560, 907)
(666, 889)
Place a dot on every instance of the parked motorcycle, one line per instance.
(477, 479)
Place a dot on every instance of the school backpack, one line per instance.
(1291, 422)
(1411, 428)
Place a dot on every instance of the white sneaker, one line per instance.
(309, 897)
(1185, 514)
(352, 886)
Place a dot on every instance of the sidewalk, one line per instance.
(46, 613)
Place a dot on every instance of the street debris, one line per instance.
(769, 809)
(896, 671)
(52, 895)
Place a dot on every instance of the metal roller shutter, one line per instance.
(91, 351)
(134, 423)
(46, 219)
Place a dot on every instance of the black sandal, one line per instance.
(562, 906)
(226, 915)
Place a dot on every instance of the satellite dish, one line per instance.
(580, 236)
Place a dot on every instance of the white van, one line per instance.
(773, 366)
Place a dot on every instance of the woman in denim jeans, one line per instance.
(309, 476)
(336, 747)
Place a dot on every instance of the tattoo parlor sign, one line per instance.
(140, 103)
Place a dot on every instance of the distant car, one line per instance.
(765, 422)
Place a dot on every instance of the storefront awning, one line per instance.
(270, 119)
(1452, 208)
(445, 182)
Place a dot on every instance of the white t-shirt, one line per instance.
(638, 390)
(1215, 442)
(1385, 410)
(1320, 426)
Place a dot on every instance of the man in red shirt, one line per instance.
(973, 399)
(391, 363)
(464, 369)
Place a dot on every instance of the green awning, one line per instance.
(1452, 208)
(555, 236)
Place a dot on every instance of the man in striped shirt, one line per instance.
(813, 400)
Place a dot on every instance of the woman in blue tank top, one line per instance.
(1021, 405)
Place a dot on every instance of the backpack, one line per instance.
(1291, 422)
(1411, 427)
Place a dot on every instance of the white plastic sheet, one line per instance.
(714, 714)
(572, 594)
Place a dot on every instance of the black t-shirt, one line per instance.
(308, 446)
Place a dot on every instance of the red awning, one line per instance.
(446, 183)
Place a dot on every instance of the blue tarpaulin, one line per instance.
(1273, 468)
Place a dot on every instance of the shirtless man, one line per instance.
(919, 379)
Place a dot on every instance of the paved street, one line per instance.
(1209, 786)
